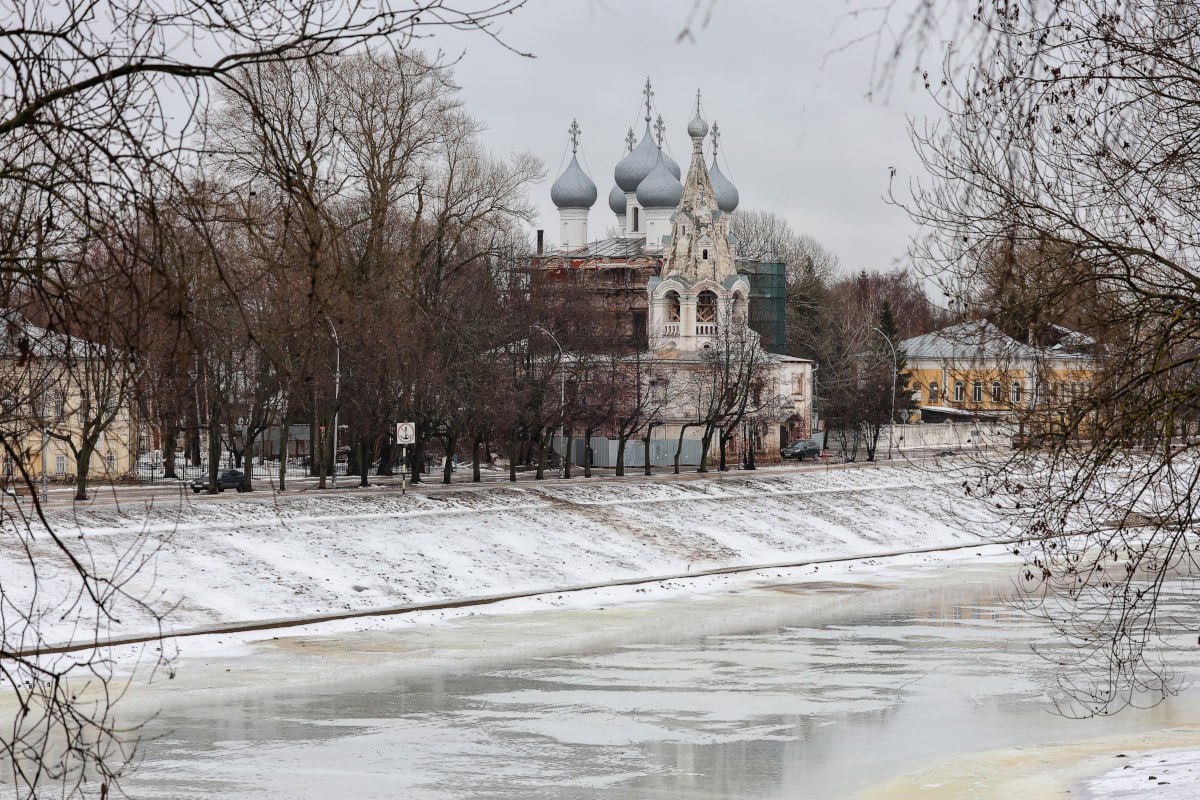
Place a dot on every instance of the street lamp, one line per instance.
(337, 390)
(895, 378)
(562, 398)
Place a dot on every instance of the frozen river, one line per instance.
(814, 686)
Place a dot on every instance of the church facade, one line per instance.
(690, 301)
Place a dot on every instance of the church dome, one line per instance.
(616, 201)
(660, 188)
(723, 189)
(633, 168)
(697, 128)
(573, 189)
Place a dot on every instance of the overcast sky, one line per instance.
(800, 138)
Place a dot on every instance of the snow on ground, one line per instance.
(1167, 775)
(263, 557)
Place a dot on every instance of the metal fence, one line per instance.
(154, 472)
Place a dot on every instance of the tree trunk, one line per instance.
(418, 456)
(364, 461)
(569, 438)
(705, 443)
(679, 445)
(514, 445)
(646, 447)
(83, 460)
(284, 440)
(450, 444)
(478, 441)
(214, 450)
(722, 442)
(750, 452)
(587, 451)
(622, 438)
(168, 450)
(541, 462)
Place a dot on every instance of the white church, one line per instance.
(696, 303)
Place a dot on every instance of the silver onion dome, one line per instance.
(660, 188)
(573, 189)
(616, 201)
(697, 128)
(723, 189)
(633, 168)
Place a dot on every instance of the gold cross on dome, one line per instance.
(574, 133)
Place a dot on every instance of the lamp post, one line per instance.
(562, 397)
(337, 391)
(895, 377)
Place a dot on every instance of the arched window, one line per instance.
(977, 392)
(933, 392)
(704, 254)
(706, 307)
(997, 392)
(960, 391)
(635, 219)
(739, 307)
(672, 306)
(1014, 393)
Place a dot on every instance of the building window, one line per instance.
(60, 464)
(635, 219)
(706, 307)
(705, 254)
(1014, 393)
(933, 392)
(672, 306)
(977, 392)
(960, 391)
(997, 392)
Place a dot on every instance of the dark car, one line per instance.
(228, 479)
(800, 449)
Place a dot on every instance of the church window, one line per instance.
(706, 307)
(739, 307)
(635, 219)
(672, 307)
(705, 256)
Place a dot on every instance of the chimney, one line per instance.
(541, 239)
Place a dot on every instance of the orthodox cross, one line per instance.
(649, 94)
(659, 127)
(716, 137)
(697, 101)
(573, 131)
(630, 139)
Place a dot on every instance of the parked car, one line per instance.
(227, 479)
(800, 449)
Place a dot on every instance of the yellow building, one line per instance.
(64, 397)
(974, 370)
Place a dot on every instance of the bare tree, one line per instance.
(1069, 143)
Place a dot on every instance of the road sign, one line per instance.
(406, 433)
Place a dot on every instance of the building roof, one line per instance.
(21, 338)
(967, 341)
(616, 247)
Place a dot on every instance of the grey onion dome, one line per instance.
(616, 201)
(573, 189)
(633, 168)
(659, 189)
(697, 128)
(672, 167)
(723, 189)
